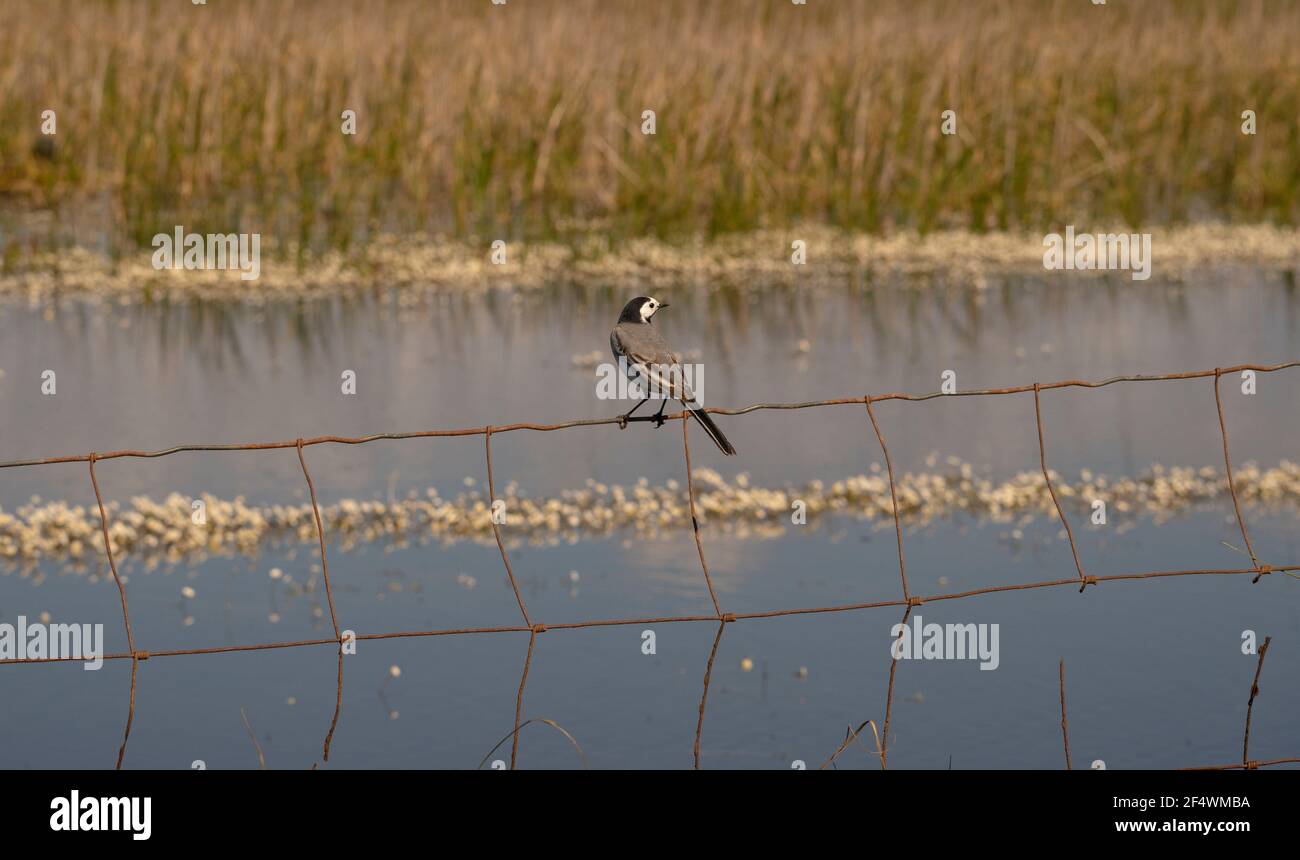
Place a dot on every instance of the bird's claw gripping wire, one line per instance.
(627, 416)
(657, 418)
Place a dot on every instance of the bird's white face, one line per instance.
(648, 309)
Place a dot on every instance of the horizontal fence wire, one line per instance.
(907, 602)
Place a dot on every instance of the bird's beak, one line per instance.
(663, 305)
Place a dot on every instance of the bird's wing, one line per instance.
(643, 346)
(661, 366)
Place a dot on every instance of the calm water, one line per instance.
(1156, 677)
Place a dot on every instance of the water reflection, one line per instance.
(154, 375)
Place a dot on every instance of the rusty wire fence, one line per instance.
(908, 601)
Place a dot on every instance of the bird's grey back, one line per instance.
(641, 343)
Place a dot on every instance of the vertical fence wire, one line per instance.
(1250, 704)
(1065, 723)
(1060, 512)
(1232, 486)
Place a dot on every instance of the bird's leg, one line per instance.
(659, 416)
(622, 419)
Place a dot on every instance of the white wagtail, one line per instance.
(653, 364)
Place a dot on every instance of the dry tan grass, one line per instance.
(523, 120)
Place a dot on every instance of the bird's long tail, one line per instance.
(719, 438)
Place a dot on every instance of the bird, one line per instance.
(652, 363)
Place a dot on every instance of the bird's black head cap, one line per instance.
(640, 309)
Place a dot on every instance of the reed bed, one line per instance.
(523, 121)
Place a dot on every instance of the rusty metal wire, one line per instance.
(1250, 704)
(1065, 722)
(908, 601)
